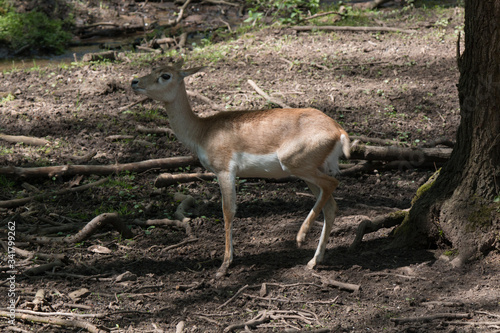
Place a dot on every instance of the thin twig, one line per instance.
(267, 97)
(234, 296)
(181, 12)
(187, 241)
(432, 317)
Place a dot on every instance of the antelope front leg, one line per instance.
(228, 190)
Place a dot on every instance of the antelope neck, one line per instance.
(186, 124)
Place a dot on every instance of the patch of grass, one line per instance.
(6, 151)
(7, 98)
(284, 11)
(212, 53)
(5, 182)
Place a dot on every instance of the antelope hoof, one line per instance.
(312, 264)
(300, 239)
(222, 271)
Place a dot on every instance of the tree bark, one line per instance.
(462, 205)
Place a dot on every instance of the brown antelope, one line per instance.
(269, 144)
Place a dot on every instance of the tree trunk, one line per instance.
(462, 206)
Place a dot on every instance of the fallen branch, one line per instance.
(66, 314)
(475, 323)
(444, 303)
(164, 222)
(432, 317)
(341, 285)
(189, 287)
(43, 268)
(415, 156)
(349, 28)
(148, 49)
(384, 221)
(30, 254)
(72, 170)
(168, 179)
(24, 139)
(19, 202)
(288, 300)
(267, 97)
(54, 321)
(38, 301)
(378, 141)
(394, 274)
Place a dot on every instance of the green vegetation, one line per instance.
(287, 11)
(32, 31)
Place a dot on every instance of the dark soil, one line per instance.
(392, 86)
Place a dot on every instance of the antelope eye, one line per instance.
(166, 76)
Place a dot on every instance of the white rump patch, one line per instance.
(253, 165)
(331, 164)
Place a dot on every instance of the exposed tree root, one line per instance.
(385, 221)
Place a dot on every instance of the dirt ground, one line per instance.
(394, 86)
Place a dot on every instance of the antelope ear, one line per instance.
(179, 63)
(190, 71)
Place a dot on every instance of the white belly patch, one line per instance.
(252, 165)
